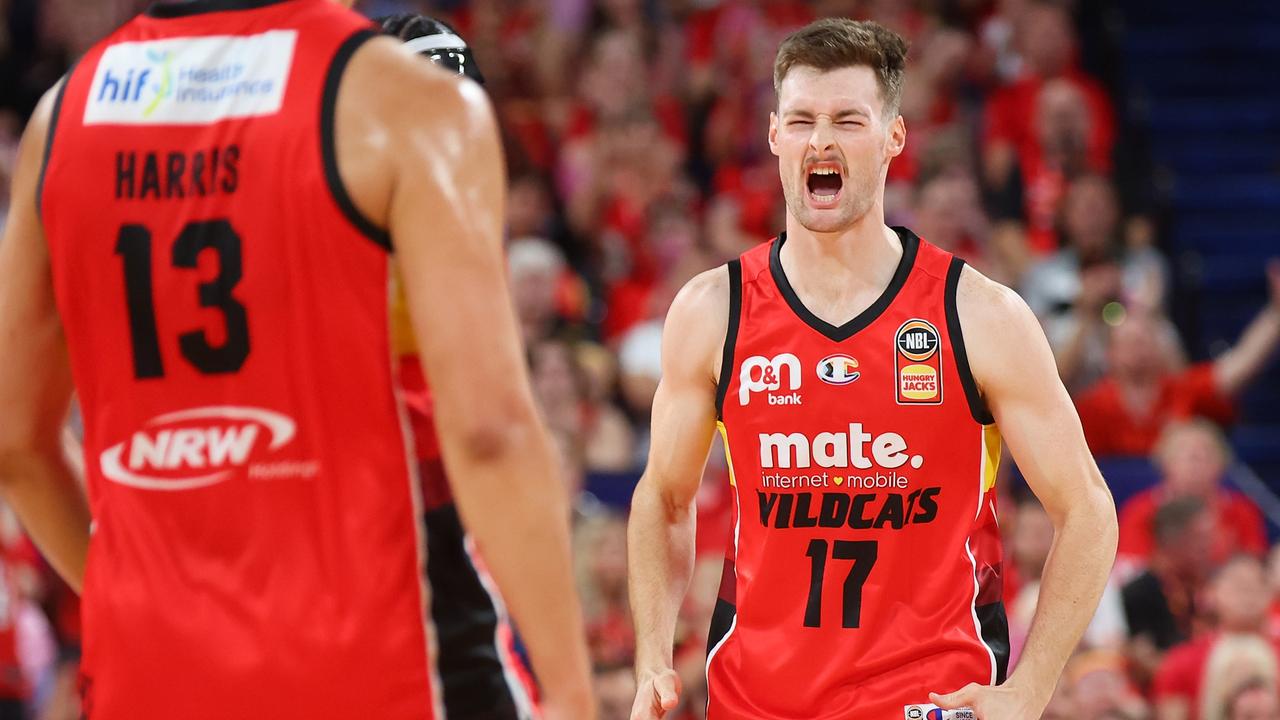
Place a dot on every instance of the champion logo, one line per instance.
(838, 369)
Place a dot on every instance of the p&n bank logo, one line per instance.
(192, 80)
(762, 374)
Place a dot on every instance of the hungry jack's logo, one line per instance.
(918, 363)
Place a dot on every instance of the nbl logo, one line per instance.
(918, 340)
(918, 363)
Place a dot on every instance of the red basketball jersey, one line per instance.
(864, 567)
(256, 546)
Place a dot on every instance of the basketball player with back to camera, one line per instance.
(862, 381)
(199, 239)
(482, 677)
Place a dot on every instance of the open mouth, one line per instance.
(824, 182)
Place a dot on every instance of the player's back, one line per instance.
(256, 547)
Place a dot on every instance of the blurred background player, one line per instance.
(481, 675)
(863, 431)
(199, 235)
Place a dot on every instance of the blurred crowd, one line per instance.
(636, 138)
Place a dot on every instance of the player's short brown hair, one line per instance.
(834, 43)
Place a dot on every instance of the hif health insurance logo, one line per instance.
(151, 84)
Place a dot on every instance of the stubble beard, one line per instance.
(859, 196)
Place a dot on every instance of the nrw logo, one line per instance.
(762, 374)
(194, 448)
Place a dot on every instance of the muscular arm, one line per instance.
(661, 531)
(1247, 357)
(1015, 371)
(419, 151)
(35, 377)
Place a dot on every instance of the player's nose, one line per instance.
(822, 138)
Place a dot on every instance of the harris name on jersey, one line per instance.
(177, 175)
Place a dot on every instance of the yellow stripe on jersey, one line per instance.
(728, 458)
(402, 339)
(990, 455)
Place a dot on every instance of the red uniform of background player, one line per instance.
(214, 190)
(859, 423)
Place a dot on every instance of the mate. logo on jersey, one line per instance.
(838, 369)
(203, 446)
(918, 363)
(762, 374)
(192, 80)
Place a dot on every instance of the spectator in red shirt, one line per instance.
(1124, 413)
(1160, 604)
(1051, 123)
(1192, 457)
(1237, 598)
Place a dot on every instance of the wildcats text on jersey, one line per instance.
(191, 80)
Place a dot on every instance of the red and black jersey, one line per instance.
(256, 544)
(864, 567)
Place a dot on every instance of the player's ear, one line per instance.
(773, 132)
(897, 137)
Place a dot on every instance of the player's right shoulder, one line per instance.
(703, 301)
(698, 321)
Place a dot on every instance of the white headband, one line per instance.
(442, 41)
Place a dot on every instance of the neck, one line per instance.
(865, 251)
(837, 276)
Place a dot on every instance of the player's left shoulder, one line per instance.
(989, 310)
(1002, 336)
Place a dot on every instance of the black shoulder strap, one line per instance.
(977, 406)
(731, 334)
(48, 140)
(328, 141)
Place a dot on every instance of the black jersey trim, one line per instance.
(994, 625)
(48, 140)
(977, 406)
(328, 140)
(473, 676)
(197, 7)
(840, 333)
(730, 335)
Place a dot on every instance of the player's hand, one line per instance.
(657, 694)
(992, 702)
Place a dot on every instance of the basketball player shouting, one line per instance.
(858, 390)
(201, 224)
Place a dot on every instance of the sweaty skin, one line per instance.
(418, 151)
(839, 257)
